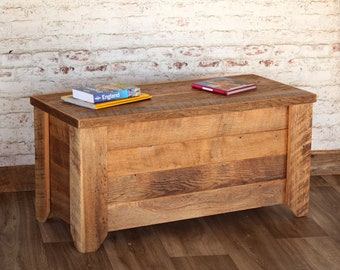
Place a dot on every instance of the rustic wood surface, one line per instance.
(59, 169)
(9, 181)
(298, 158)
(176, 100)
(88, 208)
(325, 162)
(265, 238)
(179, 130)
(42, 165)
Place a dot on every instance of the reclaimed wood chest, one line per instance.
(183, 154)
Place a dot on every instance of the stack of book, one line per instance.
(103, 96)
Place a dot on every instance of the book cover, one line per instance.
(224, 85)
(103, 93)
(101, 105)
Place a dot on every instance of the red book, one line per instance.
(224, 85)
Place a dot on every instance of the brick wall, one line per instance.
(50, 46)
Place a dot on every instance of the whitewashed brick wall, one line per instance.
(50, 46)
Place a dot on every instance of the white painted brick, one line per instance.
(13, 60)
(14, 105)
(316, 22)
(17, 135)
(26, 29)
(326, 138)
(16, 121)
(14, 89)
(329, 107)
(24, 159)
(121, 55)
(45, 59)
(19, 148)
(17, 159)
(56, 45)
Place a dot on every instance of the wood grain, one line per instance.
(197, 204)
(195, 153)
(325, 162)
(42, 164)
(60, 168)
(322, 161)
(298, 158)
(176, 100)
(194, 179)
(20, 242)
(172, 130)
(9, 182)
(88, 184)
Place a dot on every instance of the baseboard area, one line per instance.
(325, 162)
(17, 178)
(21, 178)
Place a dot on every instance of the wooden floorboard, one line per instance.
(263, 238)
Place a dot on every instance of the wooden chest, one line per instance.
(183, 154)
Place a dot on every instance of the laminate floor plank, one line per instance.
(325, 207)
(333, 180)
(281, 223)
(135, 249)
(63, 255)
(204, 262)
(189, 238)
(20, 240)
(55, 231)
(250, 244)
(316, 252)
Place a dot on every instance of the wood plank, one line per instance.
(17, 178)
(60, 192)
(138, 249)
(174, 100)
(247, 238)
(59, 130)
(325, 211)
(20, 240)
(63, 255)
(205, 262)
(333, 180)
(174, 236)
(185, 206)
(325, 162)
(42, 165)
(88, 184)
(60, 169)
(137, 187)
(194, 153)
(298, 158)
(172, 130)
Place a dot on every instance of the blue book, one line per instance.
(104, 93)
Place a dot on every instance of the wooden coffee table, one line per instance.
(183, 154)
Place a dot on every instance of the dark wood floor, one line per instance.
(266, 238)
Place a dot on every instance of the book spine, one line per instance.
(214, 90)
(209, 89)
(223, 92)
(114, 95)
(242, 90)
